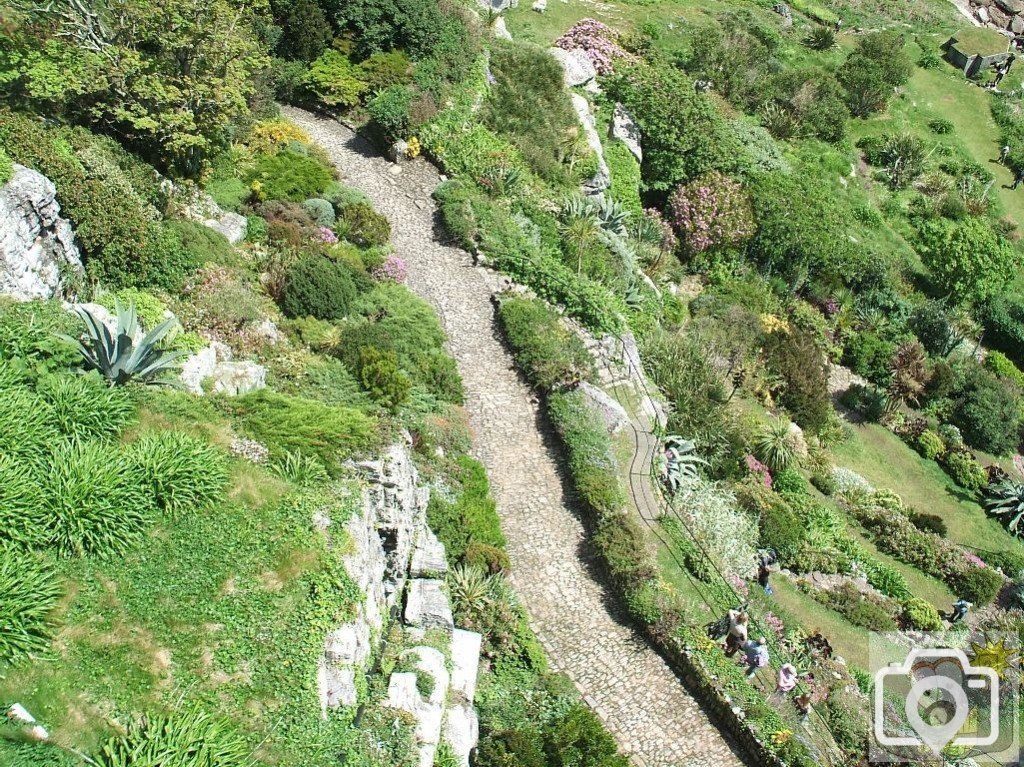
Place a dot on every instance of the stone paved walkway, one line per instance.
(643, 703)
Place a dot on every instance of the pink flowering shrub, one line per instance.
(774, 622)
(739, 585)
(327, 235)
(392, 270)
(974, 559)
(598, 41)
(710, 212)
(754, 466)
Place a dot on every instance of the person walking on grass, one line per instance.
(1004, 154)
(1018, 176)
(757, 655)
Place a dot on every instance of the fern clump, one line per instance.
(189, 738)
(21, 502)
(179, 472)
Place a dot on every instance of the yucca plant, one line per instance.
(83, 407)
(681, 462)
(117, 356)
(92, 502)
(821, 39)
(180, 472)
(1006, 501)
(29, 590)
(186, 738)
(471, 588)
(774, 446)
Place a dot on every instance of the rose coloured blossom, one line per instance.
(327, 235)
(598, 41)
(711, 211)
(392, 270)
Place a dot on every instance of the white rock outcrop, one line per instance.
(426, 605)
(214, 369)
(200, 207)
(611, 412)
(625, 129)
(602, 178)
(577, 69)
(38, 253)
(500, 29)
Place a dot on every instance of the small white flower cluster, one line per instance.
(250, 449)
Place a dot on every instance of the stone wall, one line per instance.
(398, 564)
(38, 254)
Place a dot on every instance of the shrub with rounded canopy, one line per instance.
(711, 212)
(290, 176)
(317, 287)
(361, 224)
(967, 259)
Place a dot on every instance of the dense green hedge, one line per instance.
(121, 242)
(550, 355)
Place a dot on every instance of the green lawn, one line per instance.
(946, 93)
(847, 640)
(886, 462)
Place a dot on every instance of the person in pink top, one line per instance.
(787, 678)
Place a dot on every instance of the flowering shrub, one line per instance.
(974, 559)
(712, 211)
(849, 482)
(392, 270)
(710, 516)
(598, 41)
(774, 622)
(327, 235)
(757, 468)
(739, 585)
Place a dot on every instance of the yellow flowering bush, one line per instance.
(413, 149)
(774, 324)
(270, 135)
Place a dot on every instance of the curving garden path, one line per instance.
(633, 690)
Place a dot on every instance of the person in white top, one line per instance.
(737, 635)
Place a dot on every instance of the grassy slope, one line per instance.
(886, 462)
(214, 607)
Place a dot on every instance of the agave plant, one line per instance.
(612, 215)
(119, 357)
(681, 462)
(471, 588)
(1006, 501)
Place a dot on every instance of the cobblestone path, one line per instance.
(640, 699)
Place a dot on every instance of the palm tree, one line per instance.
(580, 226)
